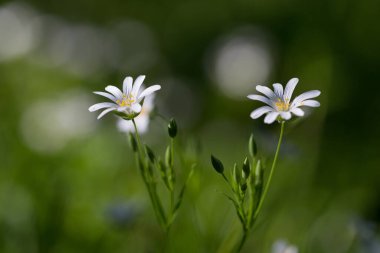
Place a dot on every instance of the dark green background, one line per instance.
(325, 191)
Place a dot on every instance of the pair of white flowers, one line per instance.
(129, 103)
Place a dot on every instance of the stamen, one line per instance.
(127, 100)
(282, 105)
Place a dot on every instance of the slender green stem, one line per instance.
(139, 146)
(270, 174)
(243, 239)
(225, 178)
(172, 197)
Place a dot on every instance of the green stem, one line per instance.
(242, 241)
(270, 174)
(172, 197)
(139, 147)
(172, 166)
(226, 179)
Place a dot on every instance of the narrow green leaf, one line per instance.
(252, 147)
(168, 157)
(238, 210)
(132, 142)
(150, 153)
(182, 192)
(217, 164)
(246, 167)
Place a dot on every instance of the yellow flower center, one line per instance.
(127, 100)
(282, 105)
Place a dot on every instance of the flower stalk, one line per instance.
(247, 183)
(132, 105)
(271, 172)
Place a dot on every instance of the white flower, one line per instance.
(142, 120)
(278, 102)
(127, 103)
(282, 246)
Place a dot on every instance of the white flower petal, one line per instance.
(148, 104)
(311, 103)
(127, 85)
(114, 91)
(278, 89)
(290, 88)
(260, 111)
(125, 125)
(106, 111)
(297, 111)
(305, 96)
(266, 91)
(105, 94)
(271, 117)
(137, 84)
(99, 106)
(136, 107)
(149, 91)
(260, 98)
(286, 115)
(122, 108)
(142, 123)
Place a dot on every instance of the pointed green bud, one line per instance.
(237, 175)
(246, 168)
(217, 164)
(150, 153)
(252, 147)
(258, 184)
(243, 187)
(259, 174)
(132, 142)
(172, 128)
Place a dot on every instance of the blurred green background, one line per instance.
(68, 182)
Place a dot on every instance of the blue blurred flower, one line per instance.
(121, 214)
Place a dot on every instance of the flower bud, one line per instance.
(252, 147)
(217, 164)
(246, 168)
(150, 153)
(259, 175)
(132, 142)
(258, 183)
(243, 187)
(172, 128)
(236, 174)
